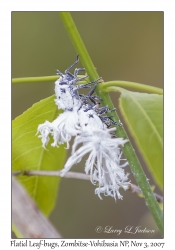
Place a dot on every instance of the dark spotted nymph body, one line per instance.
(66, 90)
(67, 96)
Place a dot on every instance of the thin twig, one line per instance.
(53, 173)
(81, 176)
(136, 189)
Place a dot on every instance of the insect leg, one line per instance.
(108, 121)
(76, 71)
(59, 73)
(105, 110)
(80, 79)
(77, 60)
(93, 89)
(96, 81)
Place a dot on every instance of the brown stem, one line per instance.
(132, 187)
(27, 218)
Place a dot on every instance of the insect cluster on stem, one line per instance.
(87, 122)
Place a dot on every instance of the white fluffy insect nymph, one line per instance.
(103, 163)
(67, 98)
(67, 94)
(84, 120)
(66, 90)
(61, 129)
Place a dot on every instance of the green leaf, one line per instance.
(143, 114)
(16, 231)
(28, 154)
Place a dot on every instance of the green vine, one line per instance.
(37, 79)
(111, 86)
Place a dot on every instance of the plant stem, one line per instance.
(28, 220)
(76, 175)
(127, 149)
(131, 85)
(38, 79)
(35, 79)
(79, 45)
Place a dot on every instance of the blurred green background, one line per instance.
(123, 46)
